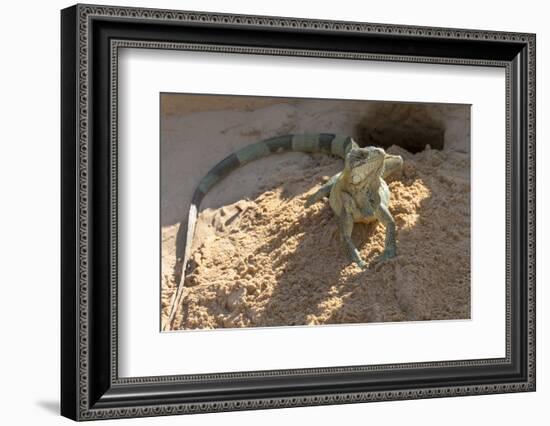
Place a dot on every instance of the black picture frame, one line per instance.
(90, 386)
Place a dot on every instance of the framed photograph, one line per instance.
(263, 212)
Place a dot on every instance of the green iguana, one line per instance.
(357, 194)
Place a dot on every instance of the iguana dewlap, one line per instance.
(357, 194)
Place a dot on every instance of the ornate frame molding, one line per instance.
(86, 404)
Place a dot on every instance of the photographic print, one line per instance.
(306, 212)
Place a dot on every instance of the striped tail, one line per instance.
(320, 142)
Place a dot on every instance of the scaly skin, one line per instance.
(360, 194)
(357, 194)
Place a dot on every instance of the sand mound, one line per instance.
(271, 262)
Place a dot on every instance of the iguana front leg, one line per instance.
(383, 215)
(346, 228)
(323, 191)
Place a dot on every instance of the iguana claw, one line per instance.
(361, 263)
(386, 255)
(312, 199)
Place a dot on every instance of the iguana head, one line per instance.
(365, 163)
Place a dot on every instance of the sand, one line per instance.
(268, 261)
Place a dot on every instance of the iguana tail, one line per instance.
(320, 142)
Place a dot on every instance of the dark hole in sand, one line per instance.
(410, 126)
